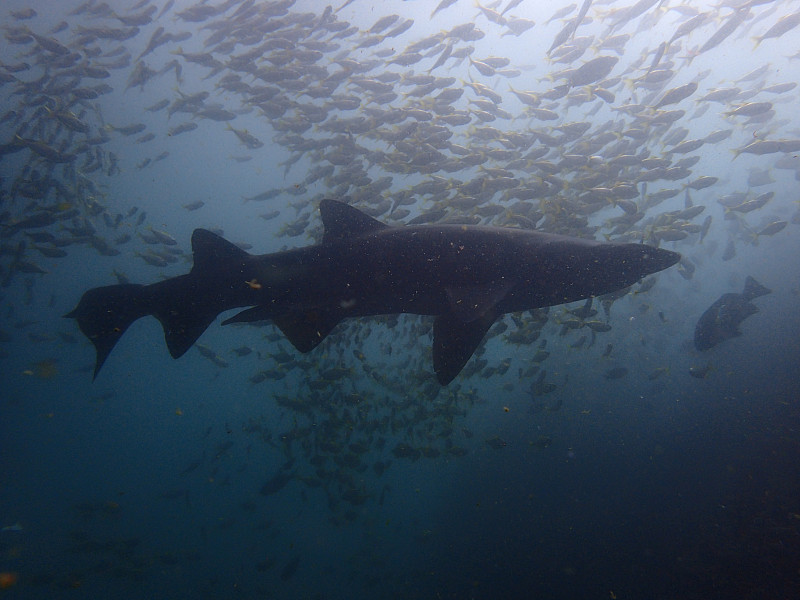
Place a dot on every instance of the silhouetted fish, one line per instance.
(722, 319)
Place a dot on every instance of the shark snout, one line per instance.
(658, 259)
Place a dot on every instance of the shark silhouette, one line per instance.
(465, 276)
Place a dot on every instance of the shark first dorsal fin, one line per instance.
(342, 221)
(208, 248)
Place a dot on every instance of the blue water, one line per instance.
(186, 479)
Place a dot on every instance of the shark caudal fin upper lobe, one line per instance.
(104, 313)
(185, 305)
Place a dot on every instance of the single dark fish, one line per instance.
(616, 373)
(277, 482)
(722, 319)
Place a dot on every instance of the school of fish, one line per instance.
(588, 138)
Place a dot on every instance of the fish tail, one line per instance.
(753, 289)
(182, 304)
(104, 313)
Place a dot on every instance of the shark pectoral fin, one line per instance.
(468, 303)
(454, 342)
(306, 329)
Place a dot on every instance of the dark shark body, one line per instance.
(722, 319)
(465, 276)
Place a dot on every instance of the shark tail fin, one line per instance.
(104, 313)
(181, 304)
(183, 308)
(753, 289)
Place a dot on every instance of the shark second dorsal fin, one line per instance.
(209, 249)
(342, 221)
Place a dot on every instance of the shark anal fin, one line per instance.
(182, 329)
(454, 342)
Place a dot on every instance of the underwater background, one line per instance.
(582, 453)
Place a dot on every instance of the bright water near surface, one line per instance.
(579, 454)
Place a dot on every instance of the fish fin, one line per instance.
(251, 315)
(209, 249)
(182, 327)
(753, 289)
(455, 341)
(306, 329)
(343, 221)
(104, 313)
(468, 303)
(183, 318)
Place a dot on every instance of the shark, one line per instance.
(465, 276)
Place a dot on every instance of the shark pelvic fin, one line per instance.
(306, 329)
